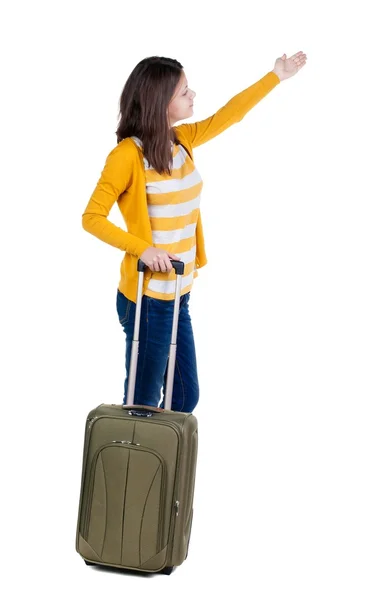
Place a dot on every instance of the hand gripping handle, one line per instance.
(178, 265)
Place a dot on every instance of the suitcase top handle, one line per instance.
(141, 410)
(178, 265)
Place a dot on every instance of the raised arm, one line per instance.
(202, 131)
(114, 180)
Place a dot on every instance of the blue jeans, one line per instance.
(154, 348)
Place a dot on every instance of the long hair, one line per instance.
(143, 109)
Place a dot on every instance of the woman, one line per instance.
(152, 177)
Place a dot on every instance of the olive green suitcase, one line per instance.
(138, 474)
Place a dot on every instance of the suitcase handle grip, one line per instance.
(141, 409)
(178, 265)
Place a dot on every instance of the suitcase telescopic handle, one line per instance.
(178, 265)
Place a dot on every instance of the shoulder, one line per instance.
(122, 161)
(183, 139)
(125, 149)
(180, 133)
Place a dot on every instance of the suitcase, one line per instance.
(138, 474)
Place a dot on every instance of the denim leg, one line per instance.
(185, 395)
(154, 348)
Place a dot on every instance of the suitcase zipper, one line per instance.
(174, 517)
(90, 422)
(136, 446)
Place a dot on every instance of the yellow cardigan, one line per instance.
(123, 180)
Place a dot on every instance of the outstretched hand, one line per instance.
(287, 67)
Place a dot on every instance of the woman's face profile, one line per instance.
(181, 104)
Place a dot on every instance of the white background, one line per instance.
(285, 314)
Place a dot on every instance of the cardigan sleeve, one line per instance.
(115, 179)
(202, 131)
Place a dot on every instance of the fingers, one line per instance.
(299, 57)
(297, 54)
(164, 262)
(168, 264)
(162, 265)
(155, 266)
(161, 262)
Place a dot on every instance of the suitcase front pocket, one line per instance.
(123, 519)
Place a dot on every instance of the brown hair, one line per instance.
(143, 109)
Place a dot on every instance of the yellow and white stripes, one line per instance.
(173, 206)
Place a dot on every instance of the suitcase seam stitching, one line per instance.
(142, 517)
(106, 507)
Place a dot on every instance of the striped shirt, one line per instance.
(173, 206)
